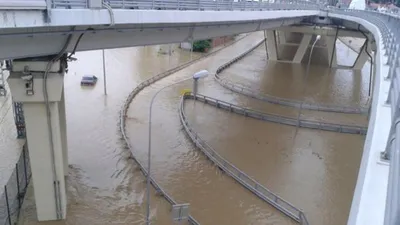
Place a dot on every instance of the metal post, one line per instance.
(18, 196)
(8, 205)
(305, 82)
(191, 49)
(265, 41)
(25, 169)
(148, 183)
(104, 73)
(195, 83)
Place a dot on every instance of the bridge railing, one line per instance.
(389, 25)
(200, 5)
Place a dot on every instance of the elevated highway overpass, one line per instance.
(47, 28)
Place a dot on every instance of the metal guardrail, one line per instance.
(12, 197)
(130, 98)
(388, 24)
(69, 4)
(240, 176)
(341, 128)
(201, 5)
(256, 94)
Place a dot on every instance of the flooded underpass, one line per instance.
(314, 170)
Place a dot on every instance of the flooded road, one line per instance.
(104, 184)
(316, 170)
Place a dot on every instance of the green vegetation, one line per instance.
(202, 45)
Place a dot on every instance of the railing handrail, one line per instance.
(223, 164)
(286, 120)
(215, 5)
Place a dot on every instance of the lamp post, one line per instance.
(305, 79)
(196, 76)
(104, 73)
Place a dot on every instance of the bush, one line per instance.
(201, 46)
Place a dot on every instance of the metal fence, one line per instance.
(14, 191)
(240, 176)
(257, 94)
(341, 128)
(216, 5)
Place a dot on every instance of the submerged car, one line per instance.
(88, 80)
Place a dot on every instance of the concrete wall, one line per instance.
(368, 205)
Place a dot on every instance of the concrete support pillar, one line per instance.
(362, 57)
(301, 50)
(331, 47)
(46, 139)
(281, 37)
(271, 45)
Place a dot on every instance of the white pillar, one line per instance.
(281, 37)
(271, 45)
(301, 50)
(48, 178)
(331, 49)
(362, 58)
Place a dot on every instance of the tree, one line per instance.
(202, 45)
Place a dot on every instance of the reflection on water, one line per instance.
(315, 170)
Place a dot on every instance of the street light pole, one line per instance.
(198, 75)
(104, 73)
(305, 79)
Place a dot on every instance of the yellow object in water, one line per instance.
(184, 91)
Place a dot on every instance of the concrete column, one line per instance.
(362, 57)
(331, 47)
(281, 37)
(271, 45)
(63, 126)
(45, 153)
(301, 50)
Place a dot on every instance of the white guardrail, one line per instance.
(189, 4)
(240, 176)
(341, 128)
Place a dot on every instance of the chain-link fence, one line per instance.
(14, 191)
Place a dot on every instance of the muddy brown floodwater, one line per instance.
(314, 170)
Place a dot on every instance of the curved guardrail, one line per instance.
(341, 128)
(136, 91)
(240, 176)
(277, 100)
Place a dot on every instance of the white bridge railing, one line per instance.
(208, 5)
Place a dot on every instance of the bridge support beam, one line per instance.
(301, 50)
(362, 57)
(45, 131)
(272, 45)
